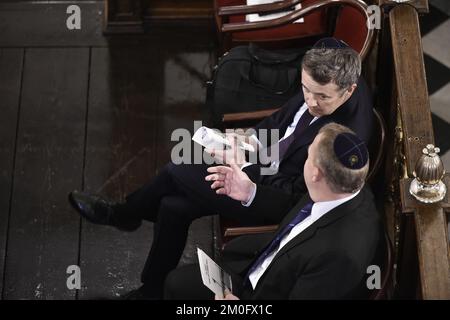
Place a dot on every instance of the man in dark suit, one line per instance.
(324, 245)
(333, 90)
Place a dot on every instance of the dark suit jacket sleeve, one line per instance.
(314, 281)
(253, 172)
(273, 203)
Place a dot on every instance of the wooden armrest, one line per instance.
(289, 18)
(258, 8)
(297, 14)
(245, 116)
(232, 232)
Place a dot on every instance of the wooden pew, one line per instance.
(419, 231)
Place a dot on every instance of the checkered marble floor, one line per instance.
(435, 28)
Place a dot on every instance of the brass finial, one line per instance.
(427, 186)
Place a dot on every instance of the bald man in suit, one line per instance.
(324, 245)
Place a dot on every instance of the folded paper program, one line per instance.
(213, 139)
(267, 16)
(213, 276)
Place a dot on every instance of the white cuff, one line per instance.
(252, 197)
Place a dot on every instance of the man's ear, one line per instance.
(351, 89)
(317, 174)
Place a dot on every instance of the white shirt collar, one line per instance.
(321, 208)
(318, 210)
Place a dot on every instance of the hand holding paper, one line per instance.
(228, 296)
(213, 276)
(214, 139)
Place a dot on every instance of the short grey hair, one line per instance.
(341, 66)
(339, 178)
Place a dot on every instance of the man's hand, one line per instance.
(228, 296)
(231, 181)
(233, 155)
(242, 138)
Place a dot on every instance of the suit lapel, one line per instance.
(292, 109)
(303, 201)
(308, 136)
(329, 218)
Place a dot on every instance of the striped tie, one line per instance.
(301, 126)
(301, 215)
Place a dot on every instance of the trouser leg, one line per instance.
(144, 202)
(185, 180)
(190, 180)
(185, 283)
(170, 233)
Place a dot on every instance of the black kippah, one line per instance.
(330, 43)
(351, 151)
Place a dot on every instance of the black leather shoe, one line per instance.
(99, 210)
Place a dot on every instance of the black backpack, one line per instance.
(249, 78)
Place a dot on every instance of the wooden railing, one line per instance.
(420, 230)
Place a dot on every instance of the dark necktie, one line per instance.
(301, 126)
(301, 215)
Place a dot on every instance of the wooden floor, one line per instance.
(81, 111)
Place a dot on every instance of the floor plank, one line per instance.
(44, 231)
(186, 71)
(10, 80)
(133, 109)
(120, 157)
